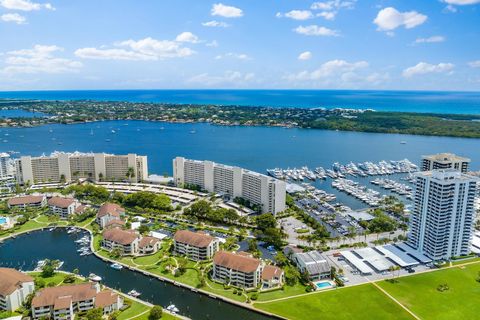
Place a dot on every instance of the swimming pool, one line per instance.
(323, 285)
(3, 220)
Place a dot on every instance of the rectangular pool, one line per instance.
(323, 285)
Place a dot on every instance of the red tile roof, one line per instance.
(123, 237)
(11, 280)
(115, 223)
(196, 239)
(76, 292)
(236, 262)
(60, 202)
(105, 298)
(270, 272)
(112, 209)
(25, 200)
(147, 241)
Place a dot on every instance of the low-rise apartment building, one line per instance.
(312, 263)
(272, 277)
(62, 207)
(61, 166)
(15, 286)
(260, 190)
(62, 302)
(238, 269)
(195, 245)
(124, 240)
(109, 212)
(148, 245)
(27, 201)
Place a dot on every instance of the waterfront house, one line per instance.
(148, 245)
(125, 240)
(27, 201)
(312, 263)
(15, 286)
(108, 212)
(62, 207)
(115, 224)
(60, 303)
(238, 269)
(195, 245)
(272, 277)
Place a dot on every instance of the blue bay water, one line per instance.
(408, 101)
(255, 148)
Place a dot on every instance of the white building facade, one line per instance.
(62, 166)
(15, 286)
(445, 161)
(258, 189)
(6, 168)
(441, 222)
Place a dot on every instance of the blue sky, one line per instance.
(332, 44)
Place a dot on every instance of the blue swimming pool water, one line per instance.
(3, 220)
(323, 285)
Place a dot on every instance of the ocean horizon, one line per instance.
(445, 102)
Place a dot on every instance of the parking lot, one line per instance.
(290, 226)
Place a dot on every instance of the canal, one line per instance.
(24, 251)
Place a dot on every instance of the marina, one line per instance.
(23, 252)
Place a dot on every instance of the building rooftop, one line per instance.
(123, 237)
(73, 293)
(105, 298)
(314, 262)
(446, 175)
(25, 200)
(112, 209)
(115, 223)
(234, 261)
(270, 272)
(11, 280)
(147, 241)
(60, 202)
(196, 239)
(446, 157)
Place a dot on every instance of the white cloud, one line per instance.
(219, 9)
(329, 69)
(329, 9)
(13, 17)
(307, 55)
(474, 64)
(424, 68)
(144, 49)
(40, 59)
(462, 2)
(187, 37)
(296, 15)
(24, 5)
(314, 30)
(213, 44)
(229, 78)
(389, 19)
(239, 56)
(431, 39)
(215, 23)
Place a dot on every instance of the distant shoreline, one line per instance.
(341, 119)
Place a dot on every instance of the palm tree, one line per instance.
(130, 173)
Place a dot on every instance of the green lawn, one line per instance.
(419, 293)
(359, 302)
(286, 292)
(135, 309)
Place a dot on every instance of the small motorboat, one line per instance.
(94, 277)
(134, 293)
(172, 308)
(116, 266)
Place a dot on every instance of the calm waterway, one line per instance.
(255, 148)
(408, 101)
(24, 251)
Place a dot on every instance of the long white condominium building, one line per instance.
(259, 189)
(445, 161)
(441, 223)
(71, 166)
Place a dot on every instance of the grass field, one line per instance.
(359, 302)
(419, 293)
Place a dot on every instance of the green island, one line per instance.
(68, 112)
